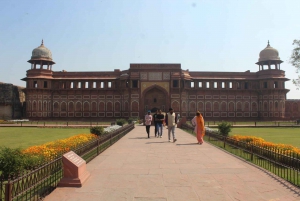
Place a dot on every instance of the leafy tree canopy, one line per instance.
(295, 61)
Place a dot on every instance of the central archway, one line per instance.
(155, 97)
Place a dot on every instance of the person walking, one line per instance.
(171, 121)
(198, 123)
(155, 123)
(160, 119)
(148, 120)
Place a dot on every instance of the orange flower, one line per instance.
(56, 148)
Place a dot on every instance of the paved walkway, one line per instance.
(140, 169)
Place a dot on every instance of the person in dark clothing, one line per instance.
(155, 123)
(160, 119)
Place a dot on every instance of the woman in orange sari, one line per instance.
(198, 123)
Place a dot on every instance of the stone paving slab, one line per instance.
(140, 169)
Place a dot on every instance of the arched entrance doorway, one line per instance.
(155, 98)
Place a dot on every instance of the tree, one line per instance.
(295, 61)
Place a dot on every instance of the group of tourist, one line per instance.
(170, 121)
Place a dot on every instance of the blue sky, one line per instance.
(204, 35)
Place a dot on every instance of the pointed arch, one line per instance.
(246, 106)
(134, 106)
(101, 106)
(175, 105)
(192, 107)
(55, 107)
(94, 106)
(200, 106)
(208, 106)
(34, 106)
(223, 106)
(117, 106)
(216, 106)
(45, 106)
(231, 107)
(63, 106)
(109, 106)
(239, 106)
(78, 107)
(183, 106)
(71, 106)
(86, 106)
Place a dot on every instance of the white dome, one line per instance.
(41, 52)
(269, 53)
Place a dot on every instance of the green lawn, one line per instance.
(289, 136)
(26, 137)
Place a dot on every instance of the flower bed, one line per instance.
(257, 141)
(56, 148)
(111, 128)
(282, 153)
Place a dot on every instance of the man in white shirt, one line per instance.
(171, 121)
(148, 120)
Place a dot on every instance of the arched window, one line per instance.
(94, 106)
(134, 106)
(239, 106)
(216, 106)
(86, 106)
(183, 106)
(101, 107)
(117, 107)
(223, 106)
(126, 107)
(56, 107)
(63, 107)
(175, 106)
(45, 106)
(231, 107)
(40, 106)
(200, 106)
(208, 106)
(34, 106)
(254, 107)
(78, 107)
(71, 107)
(192, 106)
(109, 106)
(247, 107)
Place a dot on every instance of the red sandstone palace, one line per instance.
(128, 93)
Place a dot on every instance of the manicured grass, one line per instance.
(26, 137)
(281, 135)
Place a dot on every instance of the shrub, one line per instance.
(11, 161)
(121, 122)
(224, 128)
(131, 119)
(97, 130)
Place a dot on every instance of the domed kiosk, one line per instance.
(41, 56)
(269, 56)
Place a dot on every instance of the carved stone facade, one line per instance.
(246, 95)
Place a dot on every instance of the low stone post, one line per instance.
(75, 173)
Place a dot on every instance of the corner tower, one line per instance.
(271, 84)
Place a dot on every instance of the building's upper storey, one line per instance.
(42, 76)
